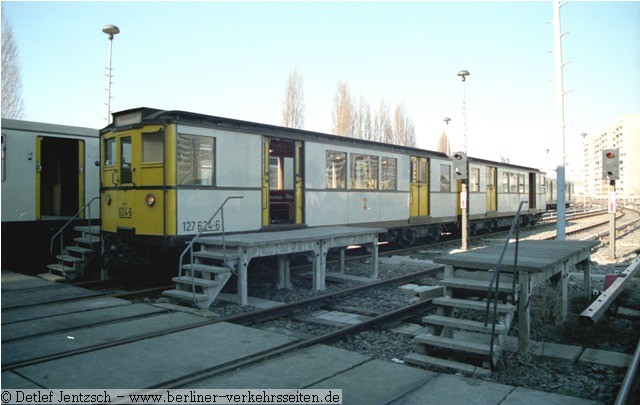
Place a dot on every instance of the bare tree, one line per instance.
(12, 105)
(364, 126)
(403, 130)
(343, 111)
(293, 105)
(383, 129)
(443, 144)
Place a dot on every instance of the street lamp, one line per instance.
(111, 30)
(464, 195)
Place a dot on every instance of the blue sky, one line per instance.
(232, 59)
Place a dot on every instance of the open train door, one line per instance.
(282, 182)
(59, 177)
(419, 188)
(492, 189)
(532, 190)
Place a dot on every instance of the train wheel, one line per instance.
(408, 238)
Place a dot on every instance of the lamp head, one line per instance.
(111, 30)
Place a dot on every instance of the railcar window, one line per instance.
(513, 182)
(281, 173)
(153, 147)
(336, 169)
(521, 183)
(542, 184)
(445, 177)
(505, 182)
(4, 162)
(110, 151)
(389, 174)
(195, 160)
(364, 172)
(125, 159)
(475, 179)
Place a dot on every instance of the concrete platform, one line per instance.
(50, 293)
(59, 308)
(454, 389)
(60, 342)
(75, 321)
(155, 361)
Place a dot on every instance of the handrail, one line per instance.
(86, 207)
(189, 247)
(515, 225)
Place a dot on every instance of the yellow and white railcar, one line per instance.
(165, 173)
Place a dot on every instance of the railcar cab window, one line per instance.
(364, 172)
(505, 182)
(195, 160)
(125, 159)
(336, 169)
(445, 177)
(389, 174)
(153, 147)
(513, 182)
(110, 151)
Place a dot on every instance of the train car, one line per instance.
(165, 173)
(49, 174)
(551, 193)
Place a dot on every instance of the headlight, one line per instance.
(107, 199)
(150, 199)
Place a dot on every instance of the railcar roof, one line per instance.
(44, 128)
(151, 115)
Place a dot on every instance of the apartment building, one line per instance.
(624, 135)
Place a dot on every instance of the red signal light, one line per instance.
(610, 155)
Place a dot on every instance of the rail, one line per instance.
(189, 248)
(515, 225)
(87, 207)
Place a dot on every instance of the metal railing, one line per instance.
(494, 298)
(189, 248)
(87, 208)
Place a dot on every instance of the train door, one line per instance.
(532, 190)
(282, 182)
(419, 188)
(492, 189)
(59, 177)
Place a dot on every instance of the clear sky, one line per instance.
(232, 59)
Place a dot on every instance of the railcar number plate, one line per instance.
(124, 211)
(191, 226)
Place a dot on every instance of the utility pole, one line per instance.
(464, 195)
(560, 154)
(111, 30)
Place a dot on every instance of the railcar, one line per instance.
(50, 174)
(551, 193)
(165, 173)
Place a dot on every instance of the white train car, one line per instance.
(49, 173)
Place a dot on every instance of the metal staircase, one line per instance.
(74, 260)
(468, 332)
(209, 267)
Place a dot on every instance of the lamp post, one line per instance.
(584, 174)
(111, 30)
(464, 195)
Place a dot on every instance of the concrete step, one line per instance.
(80, 250)
(62, 269)
(71, 259)
(205, 268)
(216, 254)
(469, 304)
(465, 324)
(199, 282)
(424, 360)
(457, 345)
(186, 295)
(88, 241)
(477, 285)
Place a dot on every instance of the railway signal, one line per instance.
(610, 164)
(460, 165)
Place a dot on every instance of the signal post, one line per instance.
(611, 172)
(461, 169)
